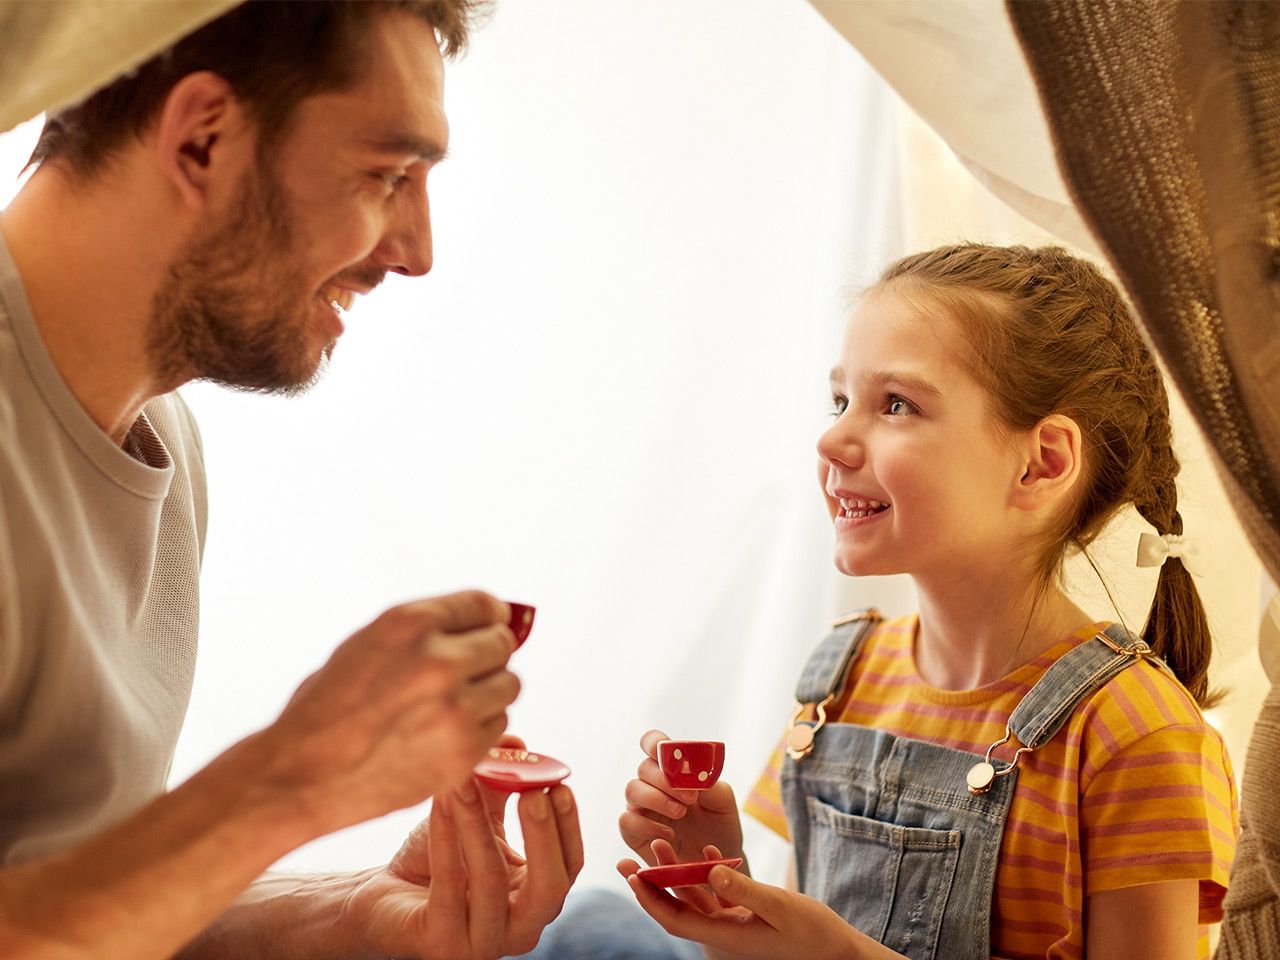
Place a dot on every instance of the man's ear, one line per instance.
(193, 132)
(1052, 463)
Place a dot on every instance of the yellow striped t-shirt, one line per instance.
(1135, 788)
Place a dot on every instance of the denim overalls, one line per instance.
(902, 837)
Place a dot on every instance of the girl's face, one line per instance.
(918, 476)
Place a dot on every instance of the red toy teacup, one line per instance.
(691, 764)
(521, 621)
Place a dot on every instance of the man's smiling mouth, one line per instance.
(340, 299)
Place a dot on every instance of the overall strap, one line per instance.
(1047, 705)
(1074, 676)
(824, 677)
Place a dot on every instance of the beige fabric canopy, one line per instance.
(55, 53)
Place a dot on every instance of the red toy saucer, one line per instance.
(509, 768)
(684, 874)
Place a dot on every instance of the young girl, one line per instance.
(996, 775)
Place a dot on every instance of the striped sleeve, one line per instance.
(1163, 808)
(764, 802)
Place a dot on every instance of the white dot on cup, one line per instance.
(702, 775)
(677, 754)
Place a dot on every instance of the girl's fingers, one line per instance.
(730, 934)
(645, 796)
(638, 831)
(627, 867)
(649, 741)
(663, 852)
(650, 773)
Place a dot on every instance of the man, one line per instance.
(212, 215)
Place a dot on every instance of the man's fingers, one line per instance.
(447, 905)
(487, 696)
(412, 861)
(458, 612)
(566, 814)
(487, 878)
(548, 879)
(474, 653)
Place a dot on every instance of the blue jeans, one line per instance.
(598, 924)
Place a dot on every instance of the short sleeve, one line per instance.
(1163, 808)
(764, 802)
(8, 614)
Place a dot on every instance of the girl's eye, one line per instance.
(838, 405)
(897, 406)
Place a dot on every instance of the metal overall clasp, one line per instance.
(984, 773)
(802, 731)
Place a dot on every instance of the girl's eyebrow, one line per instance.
(909, 381)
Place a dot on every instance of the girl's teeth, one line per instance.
(858, 508)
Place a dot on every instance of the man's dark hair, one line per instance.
(273, 53)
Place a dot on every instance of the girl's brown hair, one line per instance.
(1050, 334)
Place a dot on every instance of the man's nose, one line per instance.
(406, 247)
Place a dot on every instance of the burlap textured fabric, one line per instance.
(1166, 121)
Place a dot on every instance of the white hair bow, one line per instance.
(1154, 549)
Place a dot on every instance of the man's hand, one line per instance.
(456, 889)
(402, 710)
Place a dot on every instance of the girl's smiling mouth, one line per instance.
(858, 508)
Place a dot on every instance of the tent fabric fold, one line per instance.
(53, 55)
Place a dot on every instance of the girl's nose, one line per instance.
(839, 444)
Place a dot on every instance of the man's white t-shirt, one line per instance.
(99, 597)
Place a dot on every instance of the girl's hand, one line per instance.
(747, 920)
(686, 819)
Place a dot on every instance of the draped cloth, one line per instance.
(55, 54)
(1166, 122)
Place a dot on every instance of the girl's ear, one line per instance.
(1052, 463)
(197, 123)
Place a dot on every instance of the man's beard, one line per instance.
(230, 309)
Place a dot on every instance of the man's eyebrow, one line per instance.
(406, 143)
